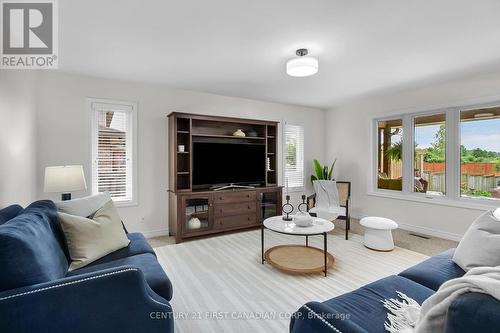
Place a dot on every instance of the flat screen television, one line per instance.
(217, 164)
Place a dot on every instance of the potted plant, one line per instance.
(323, 172)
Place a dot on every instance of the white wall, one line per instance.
(348, 138)
(17, 137)
(63, 132)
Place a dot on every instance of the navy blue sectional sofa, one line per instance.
(362, 311)
(125, 291)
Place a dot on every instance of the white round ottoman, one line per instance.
(378, 233)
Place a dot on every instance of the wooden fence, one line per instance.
(474, 176)
(473, 182)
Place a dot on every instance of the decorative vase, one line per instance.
(194, 223)
(252, 133)
(239, 133)
(302, 219)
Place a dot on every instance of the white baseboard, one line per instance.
(424, 230)
(155, 233)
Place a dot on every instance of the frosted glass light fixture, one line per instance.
(302, 65)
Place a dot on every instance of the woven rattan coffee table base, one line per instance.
(298, 258)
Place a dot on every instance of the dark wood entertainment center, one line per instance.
(201, 211)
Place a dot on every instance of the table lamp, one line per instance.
(64, 179)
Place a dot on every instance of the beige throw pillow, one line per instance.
(91, 239)
(480, 245)
(85, 206)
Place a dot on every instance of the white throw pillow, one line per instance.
(84, 207)
(480, 245)
(496, 213)
(91, 239)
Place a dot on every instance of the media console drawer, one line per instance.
(234, 221)
(221, 210)
(235, 197)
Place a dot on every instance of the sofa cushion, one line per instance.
(434, 271)
(138, 245)
(147, 263)
(480, 245)
(9, 213)
(91, 239)
(29, 250)
(364, 305)
(85, 206)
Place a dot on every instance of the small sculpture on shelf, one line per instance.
(252, 133)
(239, 133)
(194, 223)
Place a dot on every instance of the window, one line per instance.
(113, 150)
(294, 156)
(480, 153)
(390, 154)
(452, 156)
(430, 154)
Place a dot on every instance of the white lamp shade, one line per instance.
(302, 66)
(64, 179)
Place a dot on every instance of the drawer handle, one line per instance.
(220, 198)
(249, 218)
(249, 207)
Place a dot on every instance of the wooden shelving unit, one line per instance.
(271, 151)
(186, 128)
(225, 210)
(228, 136)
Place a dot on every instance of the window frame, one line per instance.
(294, 188)
(453, 196)
(120, 106)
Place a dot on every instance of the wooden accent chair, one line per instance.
(344, 188)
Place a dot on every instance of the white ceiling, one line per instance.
(240, 47)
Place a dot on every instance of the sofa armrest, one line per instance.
(117, 299)
(315, 317)
(473, 312)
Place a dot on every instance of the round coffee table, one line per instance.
(298, 258)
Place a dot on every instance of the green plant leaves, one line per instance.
(322, 172)
(318, 169)
(330, 174)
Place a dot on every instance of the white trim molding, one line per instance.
(155, 233)
(96, 105)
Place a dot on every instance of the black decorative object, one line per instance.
(252, 133)
(287, 209)
(301, 207)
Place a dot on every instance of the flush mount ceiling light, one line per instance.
(302, 66)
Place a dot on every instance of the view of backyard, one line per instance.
(479, 154)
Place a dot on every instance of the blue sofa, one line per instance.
(362, 311)
(125, 291)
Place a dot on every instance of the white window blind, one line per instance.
(294, 156)
(113, 150)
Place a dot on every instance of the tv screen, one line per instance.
(228, 163)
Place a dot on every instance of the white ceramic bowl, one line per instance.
(303, 219)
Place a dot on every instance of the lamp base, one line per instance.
(66, 196)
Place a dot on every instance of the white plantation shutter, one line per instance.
(113, 150)
(294, 156)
